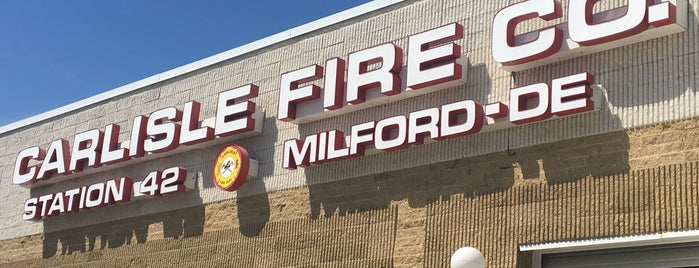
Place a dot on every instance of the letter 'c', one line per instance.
(506, 51)
(23, 173)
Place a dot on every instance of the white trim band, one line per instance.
(614, 242)
(538, 250)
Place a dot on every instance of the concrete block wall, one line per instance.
(415, 217)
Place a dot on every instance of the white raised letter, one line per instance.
(235, 118)
(23, 173)
(290, 94)
(586, 31)
(360, 78)
(86, 150)
(430, 60)
(506, 51)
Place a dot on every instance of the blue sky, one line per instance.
(53, 53)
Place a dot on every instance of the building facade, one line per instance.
(542, 133)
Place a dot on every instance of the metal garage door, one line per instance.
(671, 255)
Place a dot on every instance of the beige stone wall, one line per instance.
(622, 183)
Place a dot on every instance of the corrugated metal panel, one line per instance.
(675, 255)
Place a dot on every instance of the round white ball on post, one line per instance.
(467, 257)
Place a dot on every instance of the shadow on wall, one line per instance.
(559, 162)
(252, 200)
(182, 223)
(553, 163)
(475, 176)
(375, 192)
(253, 208)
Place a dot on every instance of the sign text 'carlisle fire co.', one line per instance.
(373, 76)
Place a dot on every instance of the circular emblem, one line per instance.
(231, 168)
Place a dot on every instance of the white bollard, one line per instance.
(467, 257)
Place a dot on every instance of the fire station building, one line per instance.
(399, 133)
